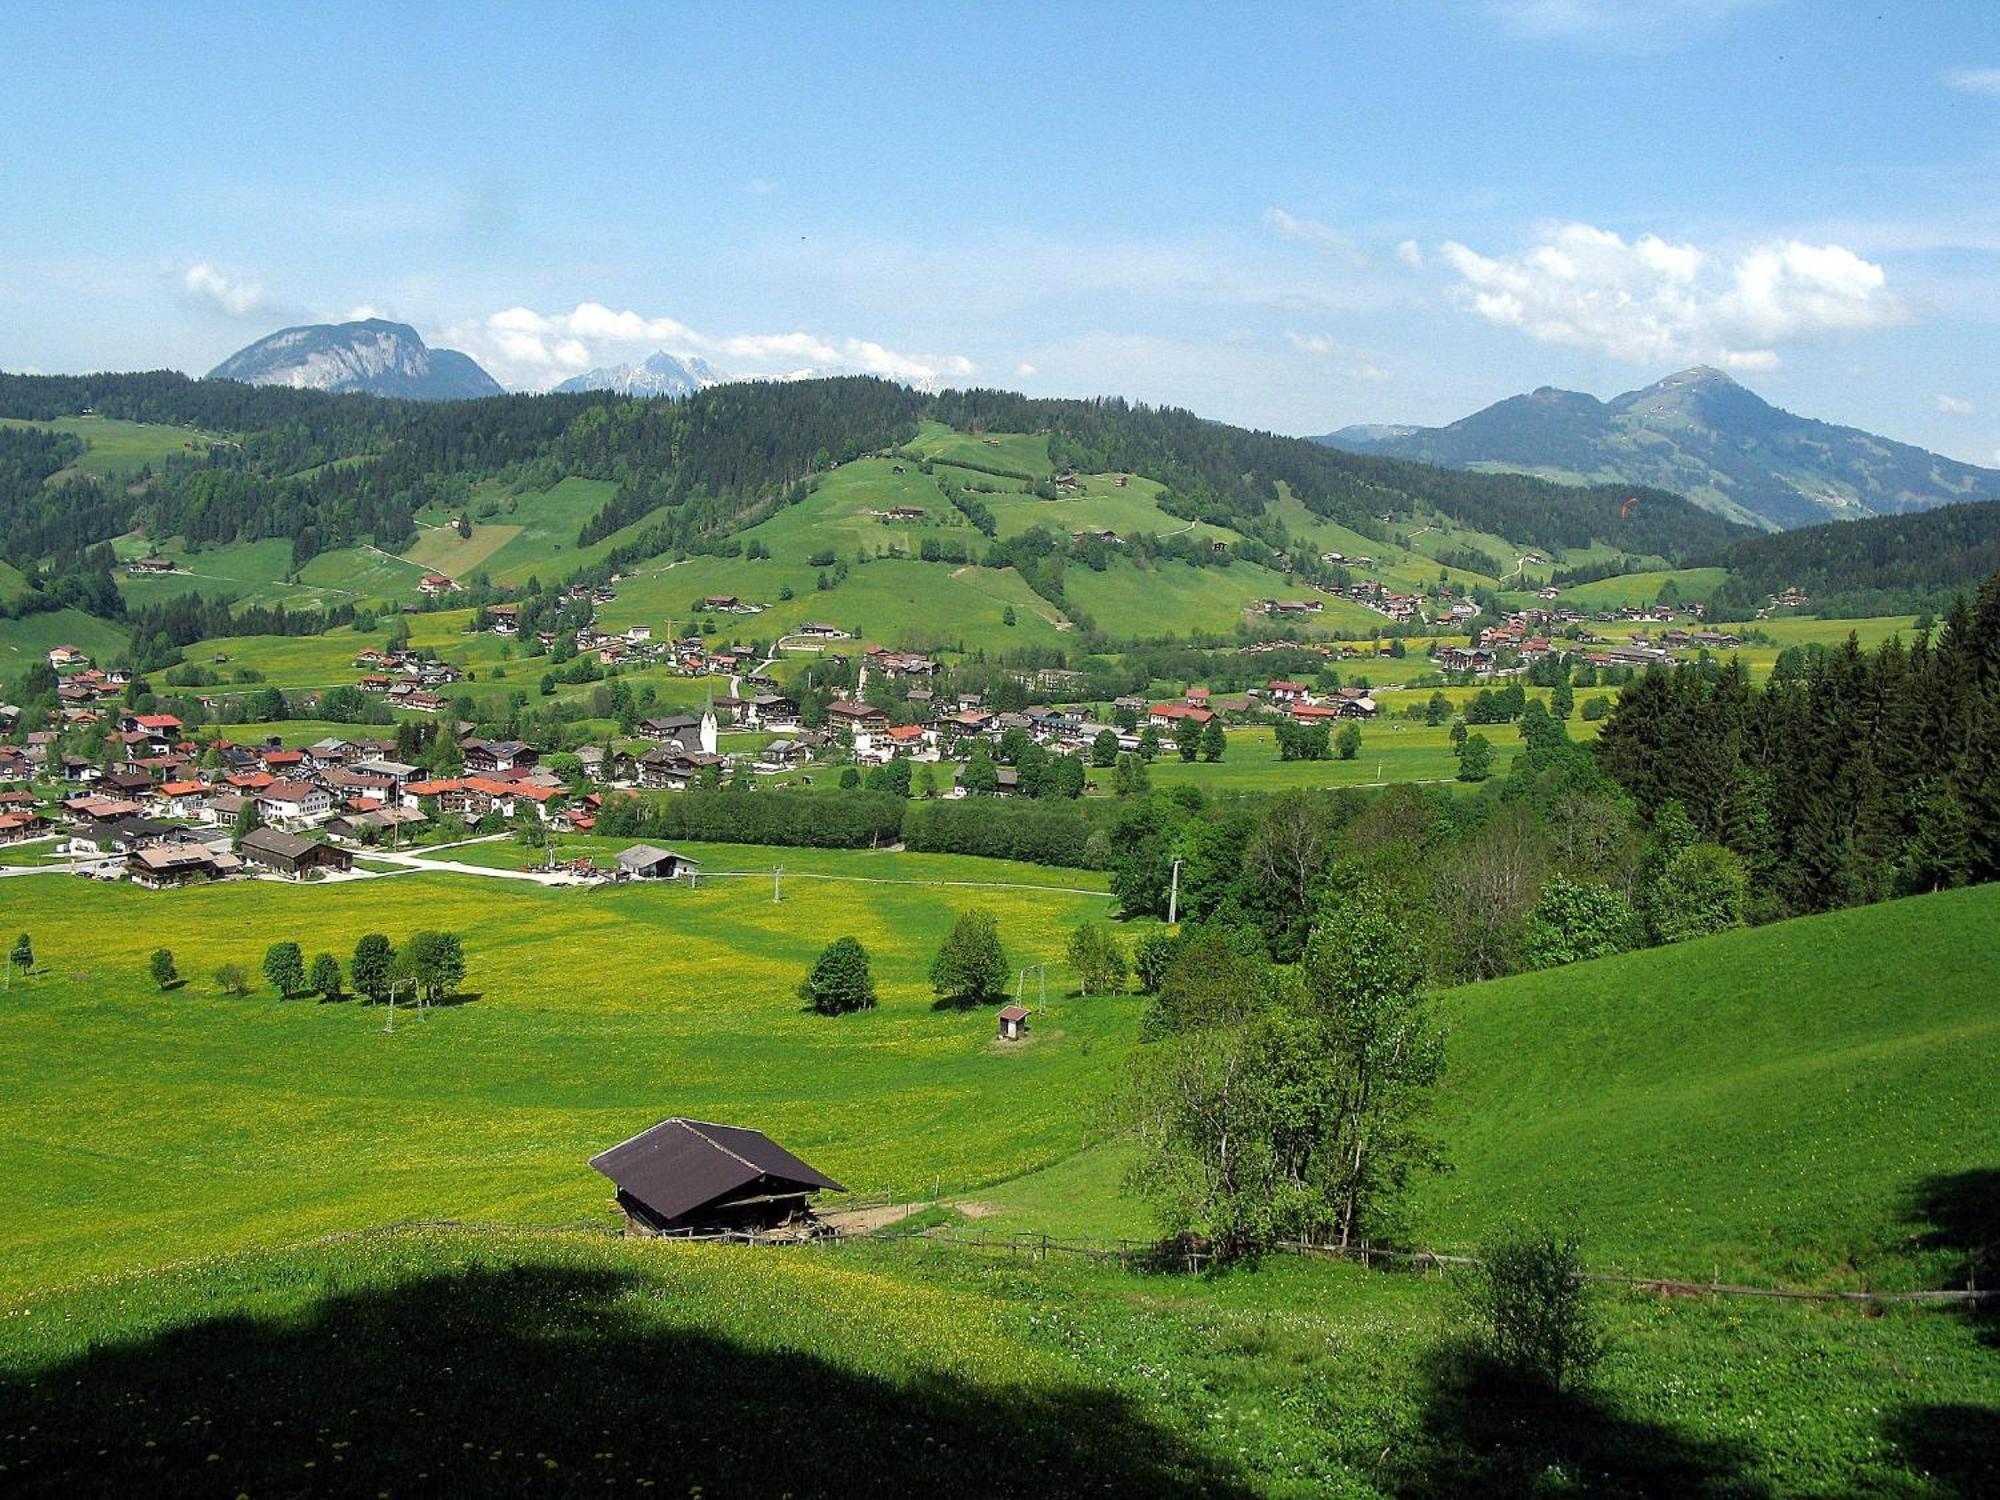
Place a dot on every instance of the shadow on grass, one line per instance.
(532, 1380)
(1485, 1433)
(1958, 1213)
(965, 1002)
(1957, 1445)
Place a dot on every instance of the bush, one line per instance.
(163, 967)
(232, 979)
(1533, 1312)
(1100, 962)
(1574, 920)
(1699, 891)
(840, 981)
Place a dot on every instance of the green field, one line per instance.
(116, 448)
(1797, 1103)
(28, 639)
(245, 1122)
(1022, 452)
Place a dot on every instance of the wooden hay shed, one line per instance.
(694, 1176)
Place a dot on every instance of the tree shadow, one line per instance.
(1957, 1446)
(1958, 1214)
(1483, 1431)
(532, 1380)
(965, 1002)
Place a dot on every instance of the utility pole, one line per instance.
(1174, 897)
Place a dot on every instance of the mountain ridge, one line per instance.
(658, 374)
(1697, 432)
(370, 355)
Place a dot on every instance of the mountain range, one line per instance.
(659, 374)
(373, 356)
(1700, 434)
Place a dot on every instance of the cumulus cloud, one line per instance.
(1974, 80)
(1954, 406)
(1648, 300)
(1312, 232)
(1411, 254)
(1024, 370)
(534, 349)
(207, 286)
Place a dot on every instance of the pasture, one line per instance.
(225, 1123)
(26, 640)
(115, 448)
(1025, 453)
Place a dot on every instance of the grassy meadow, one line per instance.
(115, 448)
(226, 1123)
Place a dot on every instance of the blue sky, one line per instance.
(1292, 217)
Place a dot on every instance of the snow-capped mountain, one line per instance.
(374, 355)
(660, 374)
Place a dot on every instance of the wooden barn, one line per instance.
(694, 1177)
(645, 862)
(291, 855)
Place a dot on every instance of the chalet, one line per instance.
(163, 865)
(899, 663)
(1172, 715)
(371, 824)
(690, 1176)
(771, 709)
(1013, 1022)
(332, 752)
(781, 755)
(19, 824)
(150, 564)
(397, 772)
(859, 718)
(496, 755)
(1465, 659)
(905, 513)
(821, 632)
(687, 732)
(151, 724)
(1284, 690)
(289, 855)
(68, 656)
(435, 583)
(1096, 534)
(645, 862)
(908, 739)
(184, 799)
(225, 808)
(1293, 607)
(293, 802)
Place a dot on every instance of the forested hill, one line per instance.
(326, 471)
(1852, 569)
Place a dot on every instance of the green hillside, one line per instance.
(1767, 1101)
(116, 449)
(24, 640)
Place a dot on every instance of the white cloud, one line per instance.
(526, 348)
(363, 311)
(1648, 300)
(1312, 232)
(760, 187)
(1356, 363)
(1954, 406)
(1974, 80)
(204, 284)
(1411, 254)
(1024, 370)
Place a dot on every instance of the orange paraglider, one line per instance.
(1631, 504)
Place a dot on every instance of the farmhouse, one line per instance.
(435, 583)
(163, 865)
(645, 862)
(859, 717)
(689, 1176)
(288, 854)
(1166, 715)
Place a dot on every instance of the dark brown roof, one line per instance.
(679, 1165)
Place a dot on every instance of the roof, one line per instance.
(679, 1165)
(640, 856)
(1014, 1013)
(273, 841)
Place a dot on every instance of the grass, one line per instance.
(28, 639)
(1639, 590)
(1392, 750)
(528, 534)
(241, 1122)
(1177, 598)
(116, 448)
(1022, 452)
(479, 1362)
(1766, 1101)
